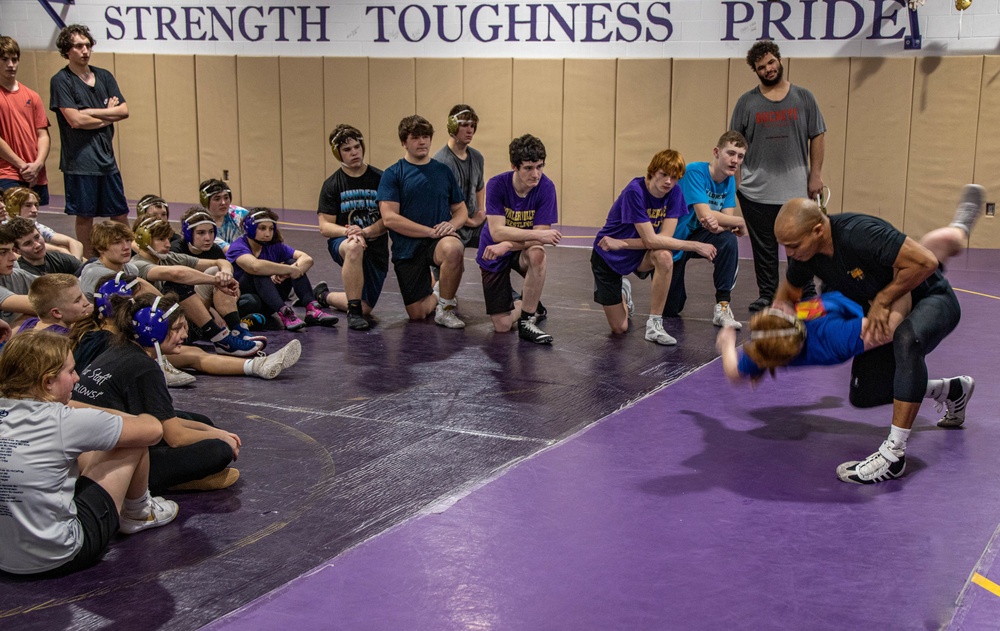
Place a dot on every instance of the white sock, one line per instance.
(897, 437)
(654, 318)
(937, 389)
(444, 304)
(248, 367)
(137, 508)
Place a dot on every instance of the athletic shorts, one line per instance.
(414, 273)
(497, 289)
(95, 195)
(41, 189)
(374, 268)
(98, 517)
(608, 282)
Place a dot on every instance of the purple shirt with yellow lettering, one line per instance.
(538, 207)
(635, 205)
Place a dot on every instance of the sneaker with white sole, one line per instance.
(315, 315)
(954, 414)
(237, 344)
(885, 464)
(627, 297)
(528, 330)
(723, 316)
(159, 512)
(655, 333)
(270, 366)
(446, 317)
(175, 378)
(970, 207)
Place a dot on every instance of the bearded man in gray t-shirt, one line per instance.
(784, 130)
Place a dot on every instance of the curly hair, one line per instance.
(526, 148)
(760, 50)
(64, 42)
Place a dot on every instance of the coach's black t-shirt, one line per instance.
(125, 378)
(864, 250)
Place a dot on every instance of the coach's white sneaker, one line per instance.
(723, 316)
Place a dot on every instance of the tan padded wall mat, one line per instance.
(942, 139)
(642, 116)
(698, 96)
(878, 137)
(218, 121)
(439, 87)
(177, 122)
(138, 154)
(987, 232)
(258, 90)
(392, 94)
(588, 141)
(828, 80)
(345, 100)
(303, 137)
(537, 109)
(487, 86)
(47, 63)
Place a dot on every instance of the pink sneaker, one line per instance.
(290, 321)
(316, 315)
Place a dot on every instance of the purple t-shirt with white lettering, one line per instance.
(274, 252)
(635, 205)
(538, 207)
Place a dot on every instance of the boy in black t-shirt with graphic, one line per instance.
(357, 240)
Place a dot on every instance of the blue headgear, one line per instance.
(196, 219)
(151, 325)
(252, 220)
(113, 287)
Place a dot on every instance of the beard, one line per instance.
(777, 78)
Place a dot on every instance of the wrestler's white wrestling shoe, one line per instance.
(885, 464)
(969, 208)
(954, 414)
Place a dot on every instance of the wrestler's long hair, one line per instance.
(775, 338)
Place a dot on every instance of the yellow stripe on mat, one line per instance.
(986, 583)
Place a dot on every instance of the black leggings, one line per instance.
(898, 371)
(170, 466)
(274, 296)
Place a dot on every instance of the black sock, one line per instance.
(210, 330)
(232, 319)
(354, 307)
(525, 315)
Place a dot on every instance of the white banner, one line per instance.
(555, 29)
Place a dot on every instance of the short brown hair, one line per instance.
(18, 228)
(30, 358)
(736, 138)
(48, 292)
(760, 50)
(669, 161)
(108, 233)
(148, 201)
(64, 42)
(415, 126)
(9, 47)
